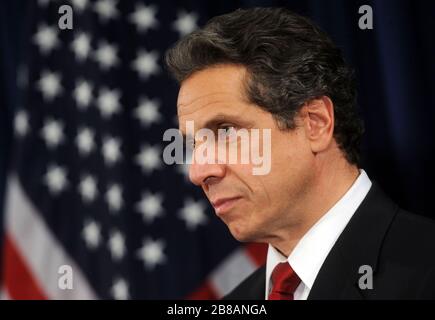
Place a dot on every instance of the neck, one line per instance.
(328, 189)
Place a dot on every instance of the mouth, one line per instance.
(223, 205)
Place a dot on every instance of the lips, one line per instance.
(222, 205)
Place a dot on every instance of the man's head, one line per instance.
(271, 69)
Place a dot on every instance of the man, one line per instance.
(332, 232)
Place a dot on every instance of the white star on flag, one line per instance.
(88, 188)
(55, 179)
(120, 289)
(193, 213)
(46, 39)
(117, 245)
(147, 112)
(186, 23)
(150, 206)
(106, 9)
(85, 141)
(83, 93)
(52, 133)
(80, 5)
(106, 55)
(151, 253)
(81, 45)
(111, 150)
(108, 102)
(149, 158)
(92, 234)
(144, 17)
(49, 85)
(21, 123)
(146, 64)
(114, 197)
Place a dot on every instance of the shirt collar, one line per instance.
(312, 249)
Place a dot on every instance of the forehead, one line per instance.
(211, 89)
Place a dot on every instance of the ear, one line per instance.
(318, 117)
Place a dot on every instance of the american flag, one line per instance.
(88, 188)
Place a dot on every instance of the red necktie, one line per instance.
(284, 282)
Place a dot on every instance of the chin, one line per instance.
(242, 234)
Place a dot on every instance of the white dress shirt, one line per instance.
(307, 257)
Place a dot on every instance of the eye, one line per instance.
(226, 130)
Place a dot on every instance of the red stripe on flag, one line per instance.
(205, 292)
(18, 280)
(257, 252)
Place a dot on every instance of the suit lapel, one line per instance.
(359, 244)
(258, 289)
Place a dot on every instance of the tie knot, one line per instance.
(284, 282)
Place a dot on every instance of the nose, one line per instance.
(206, 174)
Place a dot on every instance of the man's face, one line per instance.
(254, 207)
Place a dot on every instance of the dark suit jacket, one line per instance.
(398, 245)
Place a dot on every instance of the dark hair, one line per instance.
(289, 60)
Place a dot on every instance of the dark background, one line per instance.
(394, 65)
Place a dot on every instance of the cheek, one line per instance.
(291, 155)
(291, 168)
(272, 195)
(254, 189)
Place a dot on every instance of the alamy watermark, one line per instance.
(66, 19)
(65, 280)
(366, 280)
(205, 146)
(366, 20)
